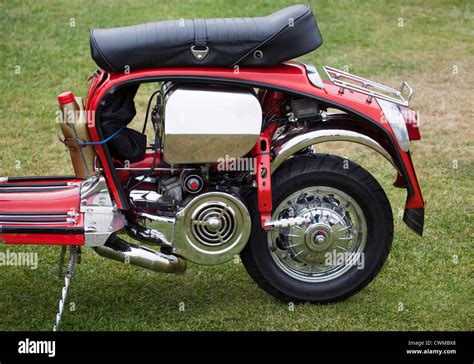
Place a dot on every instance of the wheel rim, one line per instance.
(328, 245)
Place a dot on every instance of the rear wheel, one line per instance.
(344, 243)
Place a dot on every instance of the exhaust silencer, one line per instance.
(125, 252)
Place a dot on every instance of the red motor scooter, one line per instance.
(231, 168)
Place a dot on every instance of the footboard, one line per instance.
(41, 210)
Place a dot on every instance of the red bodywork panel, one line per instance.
(41, 211)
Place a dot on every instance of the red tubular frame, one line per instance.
(290, 77)
(261, 153)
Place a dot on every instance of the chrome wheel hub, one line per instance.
(336, 227)
(318, 237)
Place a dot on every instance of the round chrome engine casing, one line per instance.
(212, 228)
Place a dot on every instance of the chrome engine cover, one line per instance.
(212, 228)
(204, 123)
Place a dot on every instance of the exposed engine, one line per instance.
(208, 228)
(189, 203)
(192, 208)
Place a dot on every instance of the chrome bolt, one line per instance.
(213, 223)
(320, 239)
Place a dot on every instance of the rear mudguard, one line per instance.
(352, 129)
(365, 124)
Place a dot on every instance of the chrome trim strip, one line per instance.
(289, 144)
(40, 223)
(313, 76)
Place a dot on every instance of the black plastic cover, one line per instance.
(414, 218)
(116, 113)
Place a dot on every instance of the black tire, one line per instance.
(332, 171)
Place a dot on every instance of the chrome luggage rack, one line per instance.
(373, 89)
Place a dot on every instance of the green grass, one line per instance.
(420, 274)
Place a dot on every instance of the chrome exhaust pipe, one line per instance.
(128, 253)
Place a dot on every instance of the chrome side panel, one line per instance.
(101, 216)
(205, 123)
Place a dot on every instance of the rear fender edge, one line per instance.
(414, 218)
(348, 129)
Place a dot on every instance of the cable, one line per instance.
(103, 141)
(269, 118)
(148, 109)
